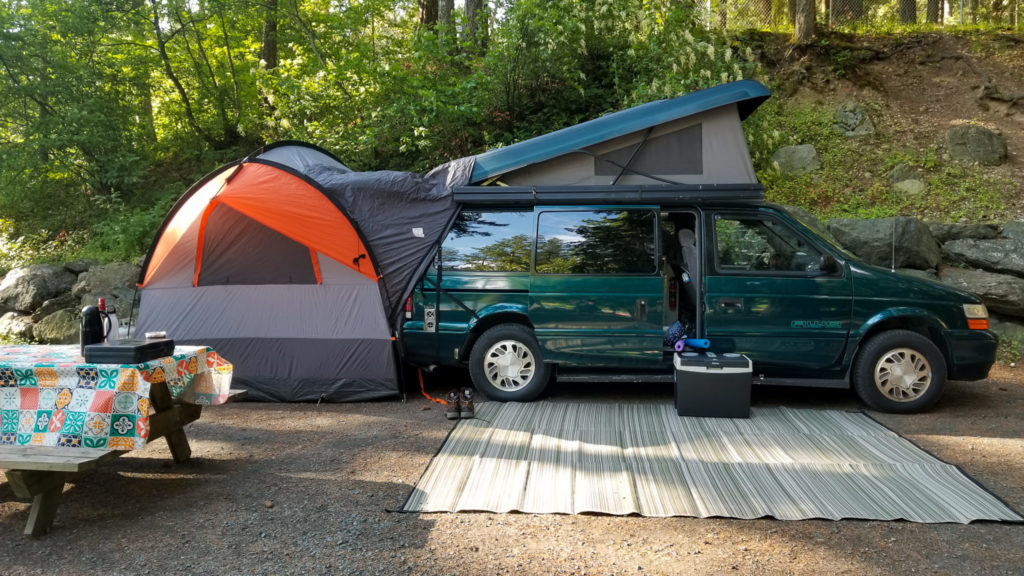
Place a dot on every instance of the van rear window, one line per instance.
(597, 242)
(489, 242)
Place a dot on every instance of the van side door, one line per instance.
(596, 292)
(771, 293)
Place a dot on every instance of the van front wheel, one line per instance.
(899, 371)
(506, 364)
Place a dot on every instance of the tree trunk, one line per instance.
(428, 12)
(444, 12)
(804, 26)
(908, 11)
(932, 11)
(476, 23)
(269, 52)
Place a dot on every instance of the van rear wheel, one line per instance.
(899, 371)
(505, 364)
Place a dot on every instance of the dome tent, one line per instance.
(295, 268)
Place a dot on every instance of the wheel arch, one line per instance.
(911, 319)
(487, 319)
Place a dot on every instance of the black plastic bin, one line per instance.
(712, 385)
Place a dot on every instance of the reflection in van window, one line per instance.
(489, 242)
(745, 244)
(596, 242)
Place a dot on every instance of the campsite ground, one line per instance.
(306, 489)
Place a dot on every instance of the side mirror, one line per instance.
(828, 264)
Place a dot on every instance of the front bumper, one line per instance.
(971, 353)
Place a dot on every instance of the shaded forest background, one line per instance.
(110, 109)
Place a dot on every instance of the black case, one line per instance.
(129, 351)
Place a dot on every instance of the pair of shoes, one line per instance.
(459, 404)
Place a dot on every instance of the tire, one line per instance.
(899, 371)
(505, 364)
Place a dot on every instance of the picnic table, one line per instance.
(60, 416)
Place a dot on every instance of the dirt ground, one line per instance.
(307, 489)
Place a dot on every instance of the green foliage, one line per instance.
(125, 233)
(110, 110)
(9, 340)
(1011, 349)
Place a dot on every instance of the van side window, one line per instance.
(489, 242)
(757, 243)
(597, 242)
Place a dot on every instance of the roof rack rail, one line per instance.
(665, 195)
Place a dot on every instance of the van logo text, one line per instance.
(815, 324)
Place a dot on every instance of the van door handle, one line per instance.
(641, 309)
(730, 303)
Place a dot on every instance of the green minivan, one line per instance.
(589, 291)
(586, 253)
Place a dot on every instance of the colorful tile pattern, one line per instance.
(50, 397)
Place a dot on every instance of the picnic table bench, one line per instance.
(37, 469)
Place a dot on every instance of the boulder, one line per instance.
(797, 160)
(872, 241)
(944, 232)
(924, 274)
(61, 327)
(1006, 327)
(1004, 255)
(115, 282)
(80, 265)
(25, 289)
(1014, 229)
(810, 220)
(852, 120)
(903, 171)
(976, 144)
(65, 301)
(911, 188)
(1001, 293)
(14, 326)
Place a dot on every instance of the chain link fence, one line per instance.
(777, 15)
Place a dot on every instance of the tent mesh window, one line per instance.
(240, 250)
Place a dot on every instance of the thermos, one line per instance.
(91, 330)
(109, 318)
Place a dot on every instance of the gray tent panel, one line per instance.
(301, 159)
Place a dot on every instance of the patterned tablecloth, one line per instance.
(50, 397)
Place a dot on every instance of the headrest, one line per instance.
(687, 237)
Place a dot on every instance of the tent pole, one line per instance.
(399, 365)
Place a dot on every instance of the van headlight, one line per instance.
(977, 316)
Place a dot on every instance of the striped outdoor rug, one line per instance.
(570, 458)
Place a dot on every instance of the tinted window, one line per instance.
(489, 242)
(596, 242)
(755, 243)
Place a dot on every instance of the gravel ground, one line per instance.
(306, 489)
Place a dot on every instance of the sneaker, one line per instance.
(452, 408)
(466, 409)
